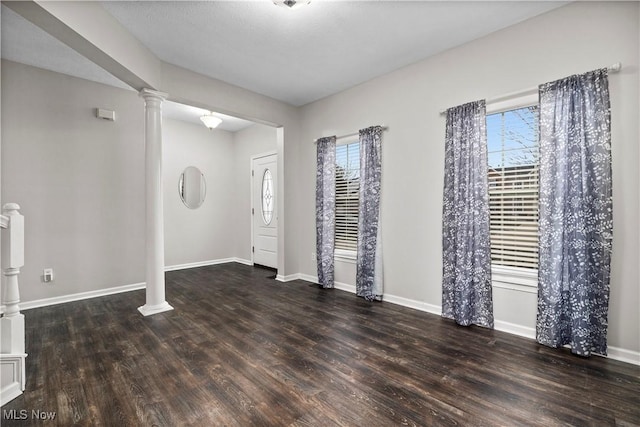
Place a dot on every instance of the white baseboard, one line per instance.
(512, 328)
(288, 277)
(199, 264)
(118, 289)
(623, 355)
(338, 285)
(417, 305)
(615, 353)
(80, 296)
(344, 287)
(405, 302)
(308, 278)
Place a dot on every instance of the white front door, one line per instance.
(264, 210)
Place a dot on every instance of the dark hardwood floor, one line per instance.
(241, 349)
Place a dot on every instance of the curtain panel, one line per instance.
(466, 245)
(326, 210)
(576, 222)
(369, 283)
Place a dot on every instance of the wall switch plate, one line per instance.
(47, 275)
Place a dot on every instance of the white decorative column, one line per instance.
(155, 302)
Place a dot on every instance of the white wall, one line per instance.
(91, 30)
(254, 140)
(201, 91)
(576, 38)
(80, 183)
(221, 227)
(79, 180)
(206, 233)
(75, 175)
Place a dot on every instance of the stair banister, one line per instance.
(12, 341)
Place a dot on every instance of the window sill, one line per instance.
(345, 256)
(514, 278)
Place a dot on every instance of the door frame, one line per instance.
(251, 160)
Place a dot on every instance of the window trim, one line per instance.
(507, 277)
(516, 278)
(506, 103)
(345, 255)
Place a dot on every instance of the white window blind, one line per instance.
(347, 195)
(512, 140)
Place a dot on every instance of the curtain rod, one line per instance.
(350, 134)
(612, 69)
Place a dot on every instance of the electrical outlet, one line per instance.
(313, 256)
(47, 275)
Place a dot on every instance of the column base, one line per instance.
(148, 310)
(13, 377)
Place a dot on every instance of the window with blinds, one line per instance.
(347, 195)
(512, 142)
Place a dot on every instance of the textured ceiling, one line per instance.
(26, 43)
(299, 56)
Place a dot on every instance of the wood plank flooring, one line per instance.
(241, 349)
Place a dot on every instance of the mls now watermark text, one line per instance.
(23, 414)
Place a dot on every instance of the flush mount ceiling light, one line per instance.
(210, 120)
(291, 4)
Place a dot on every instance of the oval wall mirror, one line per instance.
(192, 187)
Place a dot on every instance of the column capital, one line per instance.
(153, 94)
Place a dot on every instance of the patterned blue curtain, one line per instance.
(326, 210)
(369, 260)
(466, 246)
(576, 224)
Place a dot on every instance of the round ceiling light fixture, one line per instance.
(210, 120)
(291, 4)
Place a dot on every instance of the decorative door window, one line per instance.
(267, 197)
